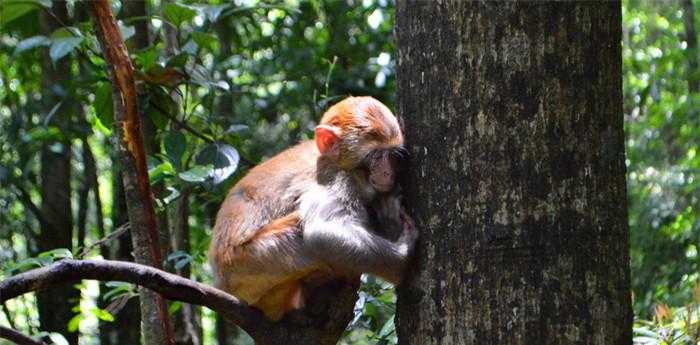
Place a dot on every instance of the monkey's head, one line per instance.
(361, 135)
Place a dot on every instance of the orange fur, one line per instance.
(260, 210)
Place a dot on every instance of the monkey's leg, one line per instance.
(267, 269)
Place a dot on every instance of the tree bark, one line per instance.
(126, 328)
(513, 114)
(321, 323)
(144, 232)
(57, 231)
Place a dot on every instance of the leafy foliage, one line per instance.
(242, 81)
(249, 78)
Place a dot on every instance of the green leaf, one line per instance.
(205, 40)
(180, 259)
(13, 9)
(212, 12)
(160, 172)
(175, 144)
(174, 307)
(66, 32)
(147, 58)
(63, 46)
(178, 60)
(223, 157)
(388, 328)
(126, 31)
(118, 289)
(199, 173)
(22, 266)
(42, 134)
(102, 314)
(56, 254)
(178, 14)
(104, 109)
(32, 42)
(74, 323)
(58, 338)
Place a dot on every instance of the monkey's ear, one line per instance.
(326, 137)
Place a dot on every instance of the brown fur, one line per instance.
(257, 249)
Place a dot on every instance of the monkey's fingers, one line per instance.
(406, 220)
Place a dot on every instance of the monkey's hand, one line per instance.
(387, 213)
(409, 234)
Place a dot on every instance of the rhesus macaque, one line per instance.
(323, 209)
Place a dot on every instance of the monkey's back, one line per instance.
(268, 192)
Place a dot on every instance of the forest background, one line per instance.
(224, 85)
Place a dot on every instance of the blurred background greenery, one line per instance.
(241, 80)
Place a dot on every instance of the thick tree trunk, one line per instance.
(514, 116)
(55, 306)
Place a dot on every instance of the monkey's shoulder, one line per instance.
(328, 202)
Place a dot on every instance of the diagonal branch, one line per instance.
(17, 337)
(169, 285)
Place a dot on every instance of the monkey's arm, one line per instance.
(350, 247)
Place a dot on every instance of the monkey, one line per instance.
(326, 208)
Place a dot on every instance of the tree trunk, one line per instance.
(55, 306)
(513, 114)
(186, 321)
(126, 328)
(142, 219)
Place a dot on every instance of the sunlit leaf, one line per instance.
(199, 173)
(212, 12)
(60, 47)
(57, 339)
(32, 42)
(127, 31)
(223, 157)
(178, 14)
(102, 314)
(387, 329)
(74, 323)
(104, 108)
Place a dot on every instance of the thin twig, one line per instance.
(113, 235)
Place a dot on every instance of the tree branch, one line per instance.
(169, 285)
(18, 338)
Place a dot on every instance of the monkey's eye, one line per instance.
(400, 157)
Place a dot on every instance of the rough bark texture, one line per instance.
(155, 324)
(142, 41)
(55, 306)
(514, 116)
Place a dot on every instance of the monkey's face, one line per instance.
(382, 165)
